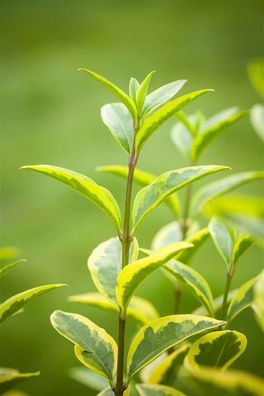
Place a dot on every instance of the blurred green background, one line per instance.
(51, 115)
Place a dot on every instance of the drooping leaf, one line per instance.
(8, 253)
(142, 178)
(218, 349)
(166, 372)
(258, 304)
(9, 266)
(105, 263)
(208, 381)
(133, 274)
(18, 301)
(11, 377)
(243, 243)
(222, 186)
(243, 298)
(162, 95)
(157, 390)
(119, 93)
(88, 378)
(212, 128)
(222, 239)
(154, 121)
(257, 119)
(161, 334)
(138, 308)
(149, 197)
(99, 195)
(94, 347)
(142, 91)
(120, 123)
(256, 74)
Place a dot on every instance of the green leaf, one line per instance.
(133, 88)
(105, 264)
(208, 381)
(256, 74)
(8, 253)
(142, 178)
(149, 197)
(243, 298)
(161, 334)
(119, 93)
(11, 377)
(94, 347)
(182, 138)
(166, 372)
(139, 308)
(212, 129)
(218, 349)
(222, 186)
(154, 121)
(222, 239)
(257, 119)
(243, 243)
(18, 301)
(120, 123)
(197, 241)
(162, 95)
(133, 274)
(258, 305)
(99, 195)
(142, 91)
(9, 266)
(88, 378)
(157, 390)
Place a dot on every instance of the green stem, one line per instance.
(126, 239)
(229, 277)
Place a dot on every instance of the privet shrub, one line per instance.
(180, 353)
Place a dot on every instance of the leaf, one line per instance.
(168, 234)
(99, 195)
(157, 390)
(257, 119)
(149, 197)
(258, 305)
(218, 302)
(166, 371)
(195, 282)
(182, 138)
(218, 350)
(107, 392)
(243, 298)
(133, 274)
(94, 347)
(139, 308)
(256, 74)
(120, 123)
(161, 334)
(142, 91)
(10, 378)
(105, 263)
(212, 129)
(222, 239)
(197, 241)
(243, 243)
(8, 253)
(250, 224)
(162, 95)
(222, 186)
(88, 378)
(119, 93)
(142, 178)
(9, 266)
(18, 301)
(155, 120)
(208, 381)
(133, 88)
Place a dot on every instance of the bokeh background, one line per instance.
(51, 115)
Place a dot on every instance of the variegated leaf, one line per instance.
(94, 347)
(218, 349)
(9, 266)
(149, 197)
(258, 304)
(133, 274)
(11, 377)
(243, 242)
(99, 195)
(13, 304)
(222, 239)
(88, 378)
(243, 298)
(257, 119)
(157, 390)
(161, 334)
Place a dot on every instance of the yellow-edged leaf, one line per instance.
(243, 298)
(9, 266)
(133, 274)
(88, 378)
(13, 304)
(258, 304)
(157, 390)
(94, 347)
(11, 377)
(161, 334)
